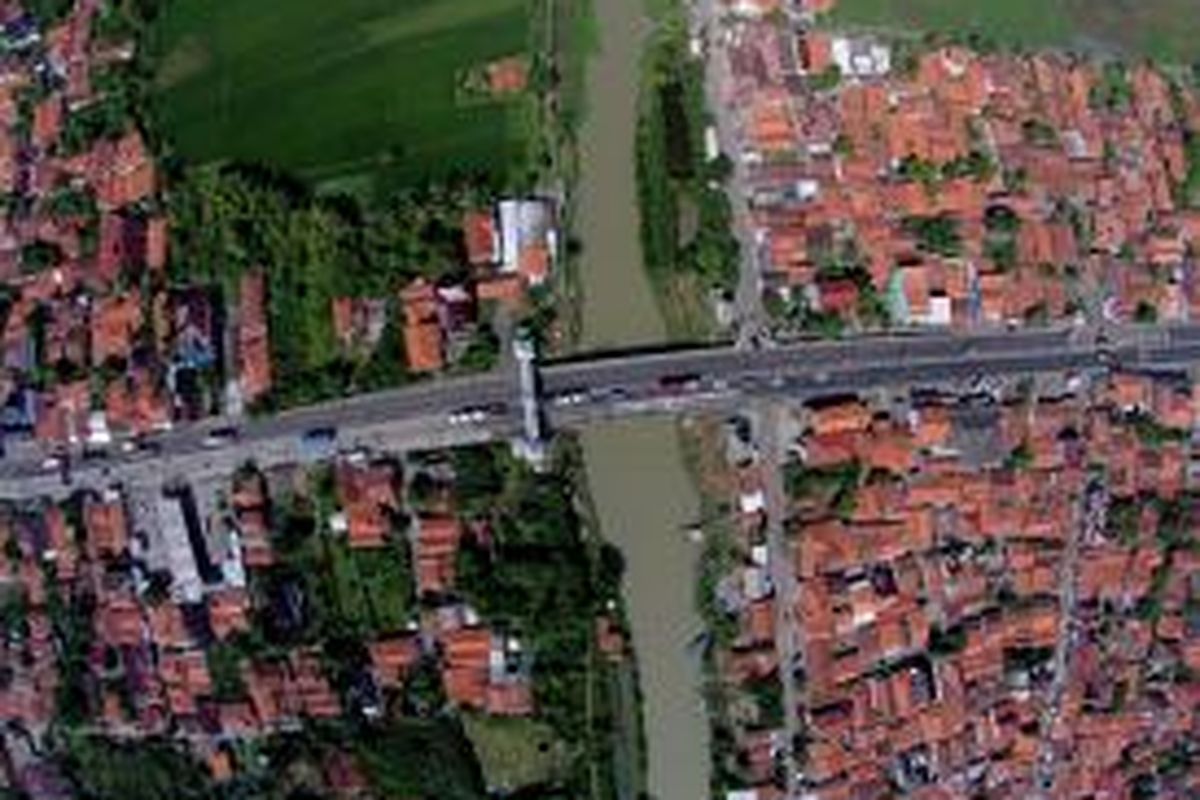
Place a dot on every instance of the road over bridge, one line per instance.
(451, 411)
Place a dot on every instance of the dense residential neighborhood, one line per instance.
(989, 593)
(221, 616)
(746, 399)
(890, 183)
(106, 334)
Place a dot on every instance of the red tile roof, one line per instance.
(480, 238)
(254, 352)
(423, 340)
(437, 544)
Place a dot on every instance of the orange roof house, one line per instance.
(156, 244)
(186, 678)
(167, 627)
(845, 417)
(509, 698)
(122, 172)
(254, 349)
(60, 544)
(47, 121)
(366, 495)
(528, 238)
(107, 534)
(501, 288)
(771, 127)
(507, 75)
(423, 339)
(467, 655)
(391, 659)
(229, 612)
(119, 621)
(481, 239)
(437, 544)
(115, 322)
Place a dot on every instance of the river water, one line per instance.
(618, 304)
(645, 500)
(642, 493)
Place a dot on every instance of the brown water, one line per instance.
(618, 303)
(645, 500)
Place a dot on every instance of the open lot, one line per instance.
(515, 753)
(1162, 29)
(333, 89)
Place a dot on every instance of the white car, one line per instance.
(468, 416)
(570, 399)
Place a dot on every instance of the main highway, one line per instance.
(448, 411)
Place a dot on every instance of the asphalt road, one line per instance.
(429, 414)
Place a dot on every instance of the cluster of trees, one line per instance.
(673, 172)
(936, 234)
(539, 577)
(976, 165)
(235, 218)
(1001, 225)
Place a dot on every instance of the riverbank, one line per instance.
(645, 501)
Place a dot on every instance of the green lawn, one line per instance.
(514, 752)
(329, 89)
(1163, 29)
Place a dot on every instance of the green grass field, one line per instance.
(515, 753)
(329, 89)
(1167, 30)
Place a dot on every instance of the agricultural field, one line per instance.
(333, 90)
(1167, 30)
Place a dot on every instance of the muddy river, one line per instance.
(646, 501)
(618, 306)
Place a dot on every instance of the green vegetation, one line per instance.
(233, 219)
(1001, 226)
(833, 487)
(1173, 536)
(71, 622)
(767, 693)
(1020, 458)
(1124, 520)
(1164, 29)
(717, 559)
(826, 80)
(976, 165)
(938, 234)
(515, 753)
(1113, 91)
(103, 769)
(541, 579)
(945, 642)
(1153, 433)
(348, 594)
(225, 667)
(48, 11)
(687, 246)
(1026, 658)
(1039, 133)
(336, 90)
(374, 588)
(421, 758)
